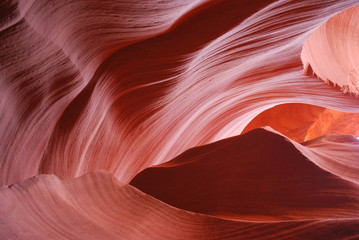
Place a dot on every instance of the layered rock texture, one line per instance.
(147, 119)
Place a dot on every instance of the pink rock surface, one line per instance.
(127, 85)
(331, 52)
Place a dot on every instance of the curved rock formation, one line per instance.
(258, 176)
(96, 206)
(302, 122)
(126, 86)
(334, 122)
(330, 52)
(294, 120)
(198, 78)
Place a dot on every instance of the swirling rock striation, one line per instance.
(126, 86)
(331, 52)
(122, 92)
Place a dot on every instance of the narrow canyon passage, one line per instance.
(166, 119)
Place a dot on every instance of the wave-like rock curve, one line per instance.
(97, 206)
(259, 175)
(331, 52)
(126, 85)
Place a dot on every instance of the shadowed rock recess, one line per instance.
(179, 119)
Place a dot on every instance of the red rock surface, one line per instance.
(256, 176)
(293, 120)
(302, 122)
(126, 86)
(97, 206)
(334, 122)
